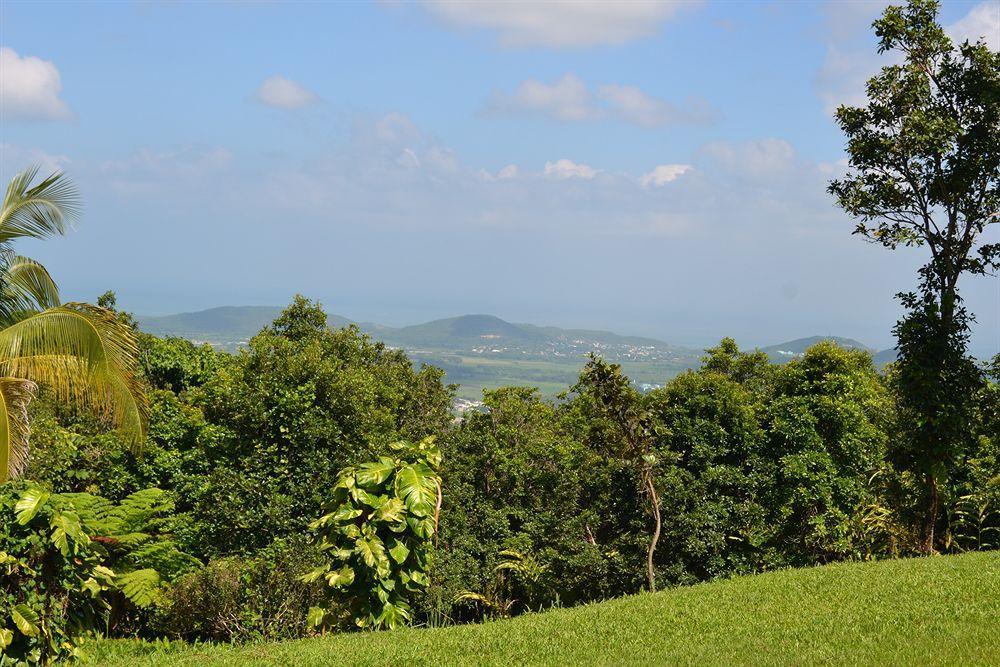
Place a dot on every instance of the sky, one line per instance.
(653, 168)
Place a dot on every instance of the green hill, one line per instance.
(928, 611)
(789, 350)
(225, 326)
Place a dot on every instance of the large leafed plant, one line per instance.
(377, 534)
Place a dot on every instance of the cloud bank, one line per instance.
(569, 99)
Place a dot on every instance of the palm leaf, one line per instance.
(84, 355)
(15, 394)
(25, 287)
(38, 211)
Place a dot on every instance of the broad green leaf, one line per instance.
(6, 637)
(417, 485)
(372, 552)
(346, 513)
(339, 578)
(31, 501)
(25, 619)
(92, 586)
(315, 616)
(67, 532)
(349, 530)
(392, 616)
(391, 511)
(375, 474)
(322, 521)
(421, 527)
(369, 499)
(399, 551)
(313, 575)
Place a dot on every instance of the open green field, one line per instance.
(551, 376)
(929, 611)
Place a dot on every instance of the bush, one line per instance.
(243, 599)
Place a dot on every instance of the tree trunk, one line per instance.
(930, 517)
(654, 501)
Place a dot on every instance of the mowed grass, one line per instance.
(927, 611)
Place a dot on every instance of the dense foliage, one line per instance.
(76, 563)
(756, 466)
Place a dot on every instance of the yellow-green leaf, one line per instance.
(31, 501)
(25, 619)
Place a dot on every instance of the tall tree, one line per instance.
(635, 434)
(81, 353)
(925, 171)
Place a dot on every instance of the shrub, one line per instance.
(376, 537)
(243, 599)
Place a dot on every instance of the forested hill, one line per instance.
(483, 351)
(230, 325)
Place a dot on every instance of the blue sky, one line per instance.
(648, 167)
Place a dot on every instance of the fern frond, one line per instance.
(141, 587)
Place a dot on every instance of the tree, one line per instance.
(635, 428)
(925, 171)
(302, 402)
(80, 352)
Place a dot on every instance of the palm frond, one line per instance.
(83, 354)
(37, 211)
(15, 394)
(25, 287)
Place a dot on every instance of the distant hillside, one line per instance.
(789, 350)
(229, 324)
(484, 351)
(478, 331)
(462, 332)
(885, 356)
(226, 324)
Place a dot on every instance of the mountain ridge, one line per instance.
(237, 324)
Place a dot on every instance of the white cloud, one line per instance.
(148, 172)
(983, 21)
(568, 169)
(29, 88)
(569, 99)
(559, 23)
(506, 173)
(663, 174)
(760, 158)
(17, 158)
(632, 105)
(281, 93)
(566, 99)
(408, 158)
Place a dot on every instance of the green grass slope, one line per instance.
(929, 611)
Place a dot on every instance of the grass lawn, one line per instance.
(927, 611)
